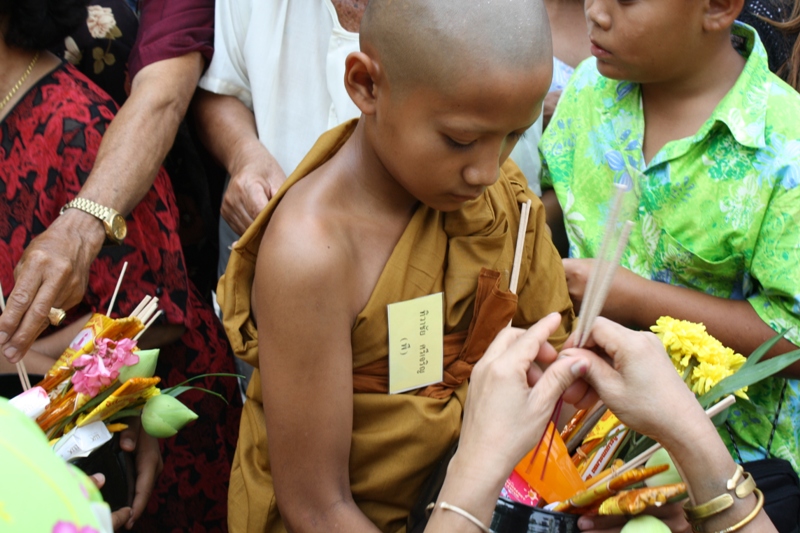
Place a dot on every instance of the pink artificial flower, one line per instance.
(100, 368)
(66, 527)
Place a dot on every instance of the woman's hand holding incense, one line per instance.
(623, 375)
(509, 405)
(53, 272)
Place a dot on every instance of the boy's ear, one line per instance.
(720, 14)
(362, 74)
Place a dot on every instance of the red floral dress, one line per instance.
(48, 144)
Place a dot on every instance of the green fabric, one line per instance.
(717, 212)
(39, 492)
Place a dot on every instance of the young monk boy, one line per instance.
(412, 199)
(679, 103)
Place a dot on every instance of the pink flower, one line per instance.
(66, 527)
(100, 368)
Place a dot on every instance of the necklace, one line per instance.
(16, 87)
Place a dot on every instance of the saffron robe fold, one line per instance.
(397, 439)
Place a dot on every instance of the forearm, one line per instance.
(227, 128)
(472, 486)
(639, 302)
(142, 133)
(705, 466)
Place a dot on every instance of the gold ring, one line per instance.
(56, 316)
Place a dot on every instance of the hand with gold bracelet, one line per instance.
(632, 362)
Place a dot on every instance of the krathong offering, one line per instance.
(99, 382)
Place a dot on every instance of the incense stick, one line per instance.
(642, 458)
(602, 271)
(141, 305)
(149, 323)
(116, 289)
(22, 372)
(595, 306)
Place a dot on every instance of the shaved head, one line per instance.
(435, 42)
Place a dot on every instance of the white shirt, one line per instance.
(284, 59)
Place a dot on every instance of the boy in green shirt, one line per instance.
(679, 104)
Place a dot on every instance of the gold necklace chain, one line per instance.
(16, 87)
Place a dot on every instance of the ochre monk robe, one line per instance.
(398, 439)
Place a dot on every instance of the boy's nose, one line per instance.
(482, 173)
(596, 15)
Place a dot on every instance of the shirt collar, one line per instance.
(744, 109)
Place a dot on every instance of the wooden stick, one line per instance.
(116, 289)
(149, 323)
(24, 379)
(520, 248)
(141, 305)
(642, 458)
(145, 314)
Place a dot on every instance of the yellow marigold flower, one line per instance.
(689, 345)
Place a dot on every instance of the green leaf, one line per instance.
(166, 391)
(177, 391)
(748, 376)
(134, 411)
(759, 352)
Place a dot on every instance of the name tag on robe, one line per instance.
(416, 343)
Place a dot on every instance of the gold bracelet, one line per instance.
(708, 509)
(464, 514)
(723, 501)
(749, 518)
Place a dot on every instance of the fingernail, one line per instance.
(10, 352)
(585, 523)
(128, 443)
(578, 369)
(100, 478)
(3, 337)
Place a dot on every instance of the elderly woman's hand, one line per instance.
(52, 272)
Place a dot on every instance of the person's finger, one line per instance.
(500, 344)
(120, 517)
(23, 339)
(555, 381)
(598, 374)
(17, 304)
(148, 467)
(98, 479)
(257, 198)
(526, 347)
(129, 437)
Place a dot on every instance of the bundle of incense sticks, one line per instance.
(605, 264)
(597, 287)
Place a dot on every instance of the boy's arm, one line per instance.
(639, 302)
(304, 321)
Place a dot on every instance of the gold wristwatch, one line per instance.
(114, 223)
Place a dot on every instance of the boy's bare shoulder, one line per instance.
(303, 248)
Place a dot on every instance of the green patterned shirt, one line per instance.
(717, 212)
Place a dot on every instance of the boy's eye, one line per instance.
(457, 145)
(514, 136)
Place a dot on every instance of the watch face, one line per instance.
(118, 227)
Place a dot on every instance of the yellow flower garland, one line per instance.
(692, 349)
